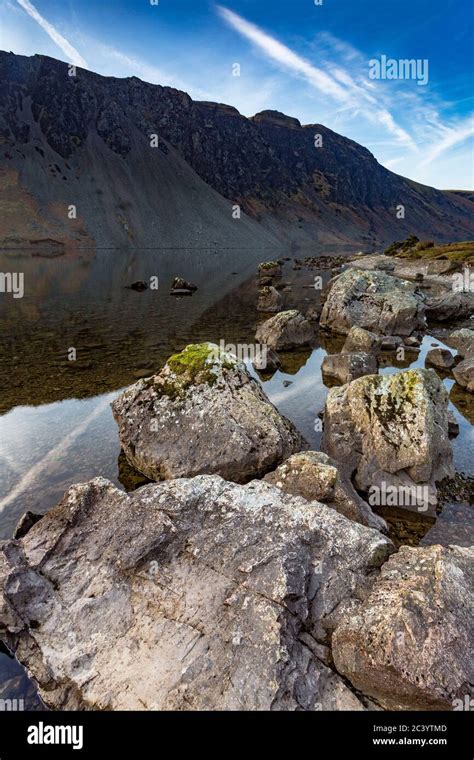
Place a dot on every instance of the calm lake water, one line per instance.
(56, 425)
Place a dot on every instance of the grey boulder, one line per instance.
(464, 373)
(269, 299)
(202, 413)
(192, 594)
(344, 367)
(316, 477)
(391, 431)
(285, 331)
(409, 643)
(359, 339)
(463, 341)
(375, 301)
(451, 305)
(440, 358)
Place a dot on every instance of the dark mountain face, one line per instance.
(86, 140)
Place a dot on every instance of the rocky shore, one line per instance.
(254, 573)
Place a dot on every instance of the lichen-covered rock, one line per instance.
(391, 430)
(440, 358)
(316, 477)
(192, 594)
(449, 306)
(285, 331)
(359, 339)
(409, 644)
(268, 271)
(463, 341)
(374, 301)
(269, 299)
(344, 367)
(464, 373)
(202, 413)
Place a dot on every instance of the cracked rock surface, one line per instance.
(409, 644)
(188, 594)
(375, 301)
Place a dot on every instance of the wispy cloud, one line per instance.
(72, 55)
(338, 84)
(341, 75)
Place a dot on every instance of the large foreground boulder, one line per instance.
(203, 413)
(375, 301)
(409, 644)
(285, 331)
(192, 594)
(391, 432)
(316, 477)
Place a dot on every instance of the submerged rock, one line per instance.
(316, 477)
(391, 431)
(202, 413)
(194, 594)
(269, 299)
(344, 367)
(285, 331)
(374, 301)
(409, 644)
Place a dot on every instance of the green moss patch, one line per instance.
(197, 364)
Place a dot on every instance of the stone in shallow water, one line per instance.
(464, 373)
(374, 301)
(190, 594)
(463, 341)
(391, 432)
(203, 413)
(343, 368)
(285, 331)
(440, 358)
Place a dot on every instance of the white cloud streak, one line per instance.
(72, 55)
(339, 86)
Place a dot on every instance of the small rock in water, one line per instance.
(269, 299)
(180, 285)
(139, 286)
(345, 367)
(440, 358)
(285, 331)
(286, 383)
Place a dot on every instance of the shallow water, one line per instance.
(56, 425)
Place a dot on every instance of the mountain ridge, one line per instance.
(85, 140)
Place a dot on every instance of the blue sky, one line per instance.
(310, 61)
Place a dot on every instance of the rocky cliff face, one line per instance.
(86, 140)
